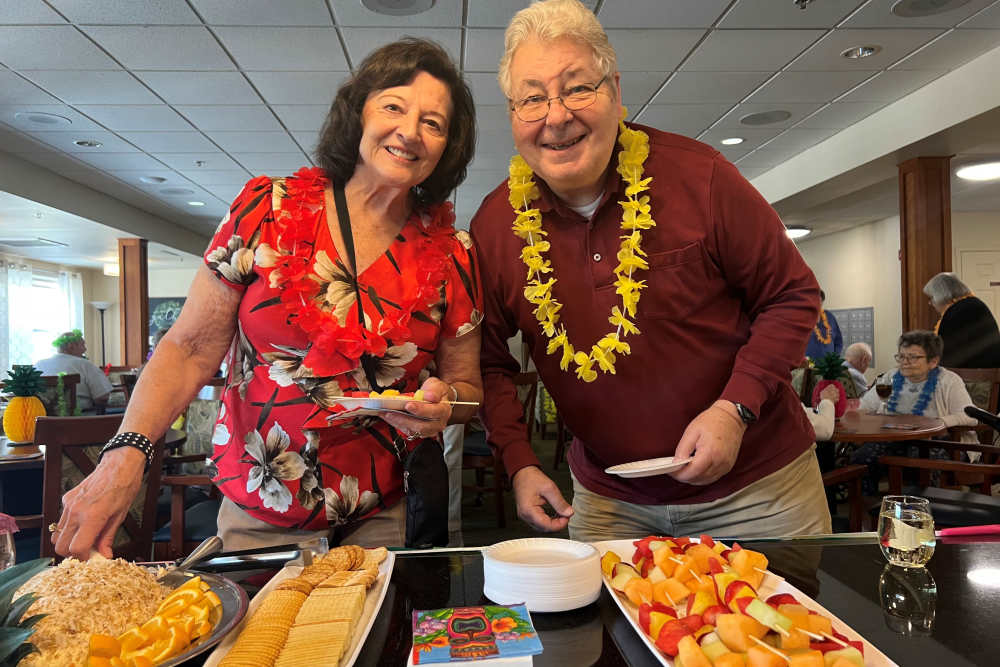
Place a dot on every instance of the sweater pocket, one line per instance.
(675, 283)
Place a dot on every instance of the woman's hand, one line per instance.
(93, 510)
(435, 411)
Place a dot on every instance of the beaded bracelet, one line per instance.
(129, 439)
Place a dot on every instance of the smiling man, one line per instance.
(663, 315)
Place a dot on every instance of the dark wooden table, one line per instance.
(860, 427)
(841, 574)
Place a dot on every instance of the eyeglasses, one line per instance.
(908, 357)
(536, 107)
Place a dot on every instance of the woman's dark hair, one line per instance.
(396, 64)
(931, 343)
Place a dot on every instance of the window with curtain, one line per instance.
(36, 305)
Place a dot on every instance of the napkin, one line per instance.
(484, 634)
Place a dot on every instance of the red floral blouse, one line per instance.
(284, 451)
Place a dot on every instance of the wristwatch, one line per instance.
(745, 413)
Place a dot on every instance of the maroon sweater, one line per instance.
(728, 308)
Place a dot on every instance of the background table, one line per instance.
(842, 574)
(861, 427)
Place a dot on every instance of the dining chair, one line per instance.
(479, 456)
(72, 446)
(850, 476)
(984, 388)
(48, 396)
(194, 509)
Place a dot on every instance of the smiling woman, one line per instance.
(349, 277)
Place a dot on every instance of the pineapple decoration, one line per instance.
(24, 382)
(16, 628)
(830, 368)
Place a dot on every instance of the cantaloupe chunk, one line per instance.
(758, 656)
(805, 659)
(735, 631)
(820, 624)
(639, 590)
(691, 654)
(670, 592)
(731, 660)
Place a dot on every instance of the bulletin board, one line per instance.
(857, 325)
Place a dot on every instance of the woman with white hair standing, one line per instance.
(966, 325)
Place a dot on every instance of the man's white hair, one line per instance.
(859, 351)
(550, 20)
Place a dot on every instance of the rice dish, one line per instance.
(85, 597)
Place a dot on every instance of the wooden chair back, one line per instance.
(49, 398)
(72, 445)
(984, 388)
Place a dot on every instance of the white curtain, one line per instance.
(19, 343)
(71, 289)
(4, 324)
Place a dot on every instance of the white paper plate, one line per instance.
(383, 403)
(648, 468)
(771, 585)
(546, 574)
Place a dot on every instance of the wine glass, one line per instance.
(908, 598)
(906, 530)
(7, 555)
(884, 390)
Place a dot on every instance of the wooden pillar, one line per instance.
(924, 233)
(133, 295)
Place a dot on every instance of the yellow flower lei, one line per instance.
(635, 218)
(826, 323)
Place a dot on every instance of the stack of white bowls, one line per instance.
(546, 574)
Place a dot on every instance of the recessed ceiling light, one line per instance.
(796, 232)
(766, 117)
(731, 141)
(152, 179)
(916, 8)
(986, 171)
(176, 191)
(398, 7)
(856, 52)
(196, 203)
(88, 143)
(41, 118)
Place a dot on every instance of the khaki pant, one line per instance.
(790, 501)
(240, 531)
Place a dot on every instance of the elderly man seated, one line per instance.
(857, 358)
(94, 386)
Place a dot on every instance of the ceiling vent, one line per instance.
(398, 7)
(909, 9)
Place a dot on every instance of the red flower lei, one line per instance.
(336, 349)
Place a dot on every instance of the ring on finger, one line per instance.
(53, 528)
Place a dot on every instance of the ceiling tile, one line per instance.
(225, 88)
(284, 49)
(256, 142)
(62, 163)
(749, 50)
(64, 141)
(206, 177)
(693, 87)
(658, 14)
(809, 86)
(136, 117)
(952, 50)
(787, 144)
(184, 162)
(172, 178)
(498, 13)
(298, 87)
(876, 14)
(221, 117)
(751, 173)
(798, 111)
(120, 161)
(302, 117)
(988, 18)
(17, 142)
(825, 55)
(80, 123)
(638, 87)
(93, 87)
(444, 14)
(263, 12)
(169, 142)
(485, 89)
(272, 164)
(752, 138)
(225, 192)
(162, 48)
(27, 11)
(483, 49)
(118, 12)
(15, 90)
(840, 115)
(307, 141)
(664, 49)
(733, 153)
(891, 85)
(65, 48)
(687, 119)
(771, 14)
(362, 41)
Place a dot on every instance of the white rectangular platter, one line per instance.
(373, 601)
(772, 584)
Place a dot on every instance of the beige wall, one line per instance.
(170, 282)
(858, 268)
(99, 287)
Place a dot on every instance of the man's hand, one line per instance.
(93, 510)
(830, 393)
(433, 414)
(532, 490)
(714, 438)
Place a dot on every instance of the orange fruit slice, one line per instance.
(213, 598)
(98, 661)
(193, 582)
(176, 641)
(187, 595)
(155, 628)
(104, 646)
(133, 640)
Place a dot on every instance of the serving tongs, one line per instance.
(266, 558)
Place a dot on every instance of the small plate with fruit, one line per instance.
(648, 467)
(699, 603)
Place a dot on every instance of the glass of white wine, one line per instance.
(906, 530)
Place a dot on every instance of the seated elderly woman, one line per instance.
(920, 386)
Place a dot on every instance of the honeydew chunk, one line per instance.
(768, 615)
(850, 656)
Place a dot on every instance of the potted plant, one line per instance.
(830, 368)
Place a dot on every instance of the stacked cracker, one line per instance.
(308, 620)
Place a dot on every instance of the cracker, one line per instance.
(315, 644)
(295, 584)
(373, 558)
(350, 578)
(332, 604)
(265, 632)
(357, 556)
